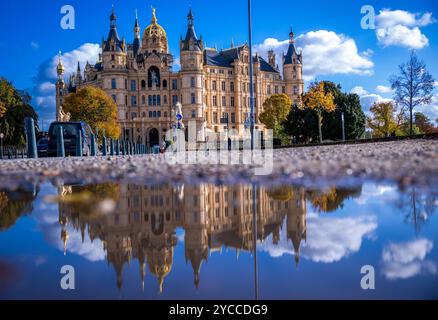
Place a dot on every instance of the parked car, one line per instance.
(70, 132)
(42, 147)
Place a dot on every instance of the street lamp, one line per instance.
(1, 144)
(343, 126)
(251, 85)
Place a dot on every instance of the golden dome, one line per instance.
(154, 29)
(154, 36)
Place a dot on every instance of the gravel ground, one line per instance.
(409, 162)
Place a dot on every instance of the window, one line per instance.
(164, 83)
(232, 101)
(268, 89)
(133, 85)
(133, 101)
(193, 98)
(224, 101)
(214, 100)
(158, 100)
(174, 84)
(193, 114)
(192, 82)
(114, 98)
(233, 117)
(283, 89)
(113, 84)
(214, 86)
(214, 117)
(143, 84)
(159, 114)
(150, 114)
(232, 86)
(149, 100)
(126, 100)
(134, 115)
(143, 100)
(223, 85)
(165, 100)
(154, 114)
(221, 71)
(113, 57)
(174, 99)
(276, 89)
(295, 90)
(154, 100)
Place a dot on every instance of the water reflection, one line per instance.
(122, 223)
(140, 222)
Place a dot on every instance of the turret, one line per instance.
(60, 85)
(271, 58)
(113, 49)
(191, 48)
(293, 70)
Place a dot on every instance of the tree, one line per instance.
(96, 108)
(383, 123)
(354, 117)
(319, 100)
(413, 86)
(301, 123)
(423, 123)
(14, 108)
(275, 111)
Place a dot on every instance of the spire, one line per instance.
(136, 24)
(232, 43)
(79, 68)
(191, 42)
(113, 18)
(60, 68)
(190, 18)
(291, 36)
(154, 17)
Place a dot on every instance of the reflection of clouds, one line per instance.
(329, 239)
(372, 191)
(48, 222)
(406, 260)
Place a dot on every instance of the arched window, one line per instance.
(143, 84)
(155, 114)
(150, 114)
(164, 83)
(159, 114)
(149, 100)
(165, 100)
(158, 100)
(154, 100)
(143, 100)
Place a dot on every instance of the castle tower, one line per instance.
(137, 41)
(297, 222)
(114, 50)
(192, 75)
(293, 71)
(60, 85)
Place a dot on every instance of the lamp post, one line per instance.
(251, 81)
(1, 145)
(343, 126)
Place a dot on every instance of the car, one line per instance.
(70, 132)
(42, 147)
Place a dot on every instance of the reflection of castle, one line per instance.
(144, 222)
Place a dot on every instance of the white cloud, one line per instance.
(324, 53)
(431, 110)
(368, 99)
(328, 239)
(402, 28)
(34, 45)
(406, 260)
(383, 193)
(383, 89)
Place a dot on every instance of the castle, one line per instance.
(212, 86)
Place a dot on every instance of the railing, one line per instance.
(12, 152)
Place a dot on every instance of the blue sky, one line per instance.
(335, 47)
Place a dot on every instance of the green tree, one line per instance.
(423, 123)
(16, 106)
(96, 108)
(383, 122)
(275, 111)
(302, 124)
(320, 101)
(413, 86)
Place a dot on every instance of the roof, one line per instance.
(191, 42)
(291, 52)
(226, 58)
